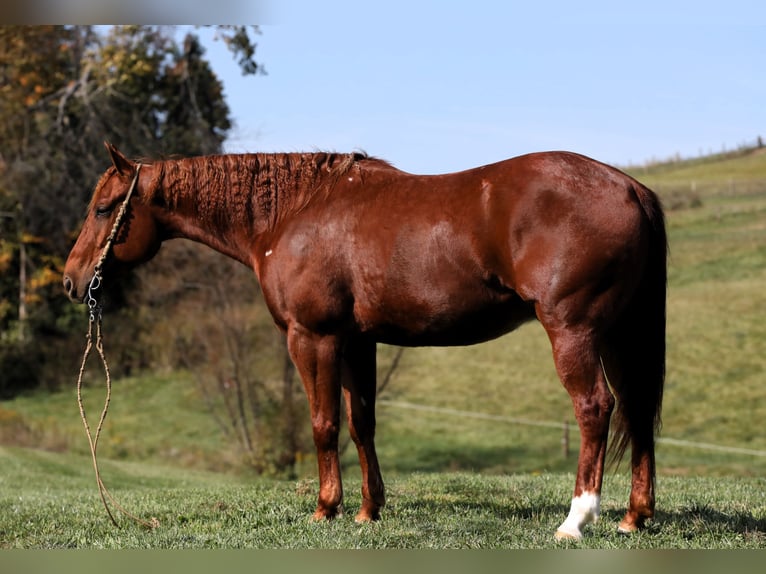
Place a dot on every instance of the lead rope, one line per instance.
(95, 316)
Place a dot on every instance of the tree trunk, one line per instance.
(22, 291)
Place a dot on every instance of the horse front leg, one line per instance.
(579, 369)
(359, 389)
(317, 359)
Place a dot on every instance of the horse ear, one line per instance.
(122, 164)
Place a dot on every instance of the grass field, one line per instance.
(48, 500)
(468, 472)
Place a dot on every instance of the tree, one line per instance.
(35, 64)
(63, 90)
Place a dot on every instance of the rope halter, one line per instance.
(95, 282)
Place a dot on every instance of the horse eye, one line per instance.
(104, 210)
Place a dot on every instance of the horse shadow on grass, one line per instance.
(539, 499)
(686, 526)
(697, 519)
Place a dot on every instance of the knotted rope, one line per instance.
(95, 317)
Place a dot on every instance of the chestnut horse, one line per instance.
(350, 251)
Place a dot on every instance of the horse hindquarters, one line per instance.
(617, 333)
(631, 354)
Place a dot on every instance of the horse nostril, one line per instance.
(68, 285)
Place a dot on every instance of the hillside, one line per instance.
(688, 182)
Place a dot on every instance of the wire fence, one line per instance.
(563, 426)
(730, 187)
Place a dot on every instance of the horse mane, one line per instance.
(249, 185)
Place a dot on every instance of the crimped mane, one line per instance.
(249, 185)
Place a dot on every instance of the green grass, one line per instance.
(721, 171)
(152, 418)
(49, 500)
(159, 437)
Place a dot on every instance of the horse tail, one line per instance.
(634, 350)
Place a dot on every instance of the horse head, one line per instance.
(136, 236)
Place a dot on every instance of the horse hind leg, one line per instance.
(639, 394)
(359, 389)
(579, 368)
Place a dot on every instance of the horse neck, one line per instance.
(227, 202)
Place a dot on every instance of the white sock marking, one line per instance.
(584, 510)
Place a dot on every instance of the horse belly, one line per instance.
(448, 318)
(432, 285)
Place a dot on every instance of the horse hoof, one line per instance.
(366, 517)
(633, 521)
(626, 527)
(565, 535)
(323, 514)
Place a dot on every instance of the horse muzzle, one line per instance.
(76, 295)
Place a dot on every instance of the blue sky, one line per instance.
(442, 86)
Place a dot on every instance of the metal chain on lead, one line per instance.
(94, 306)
